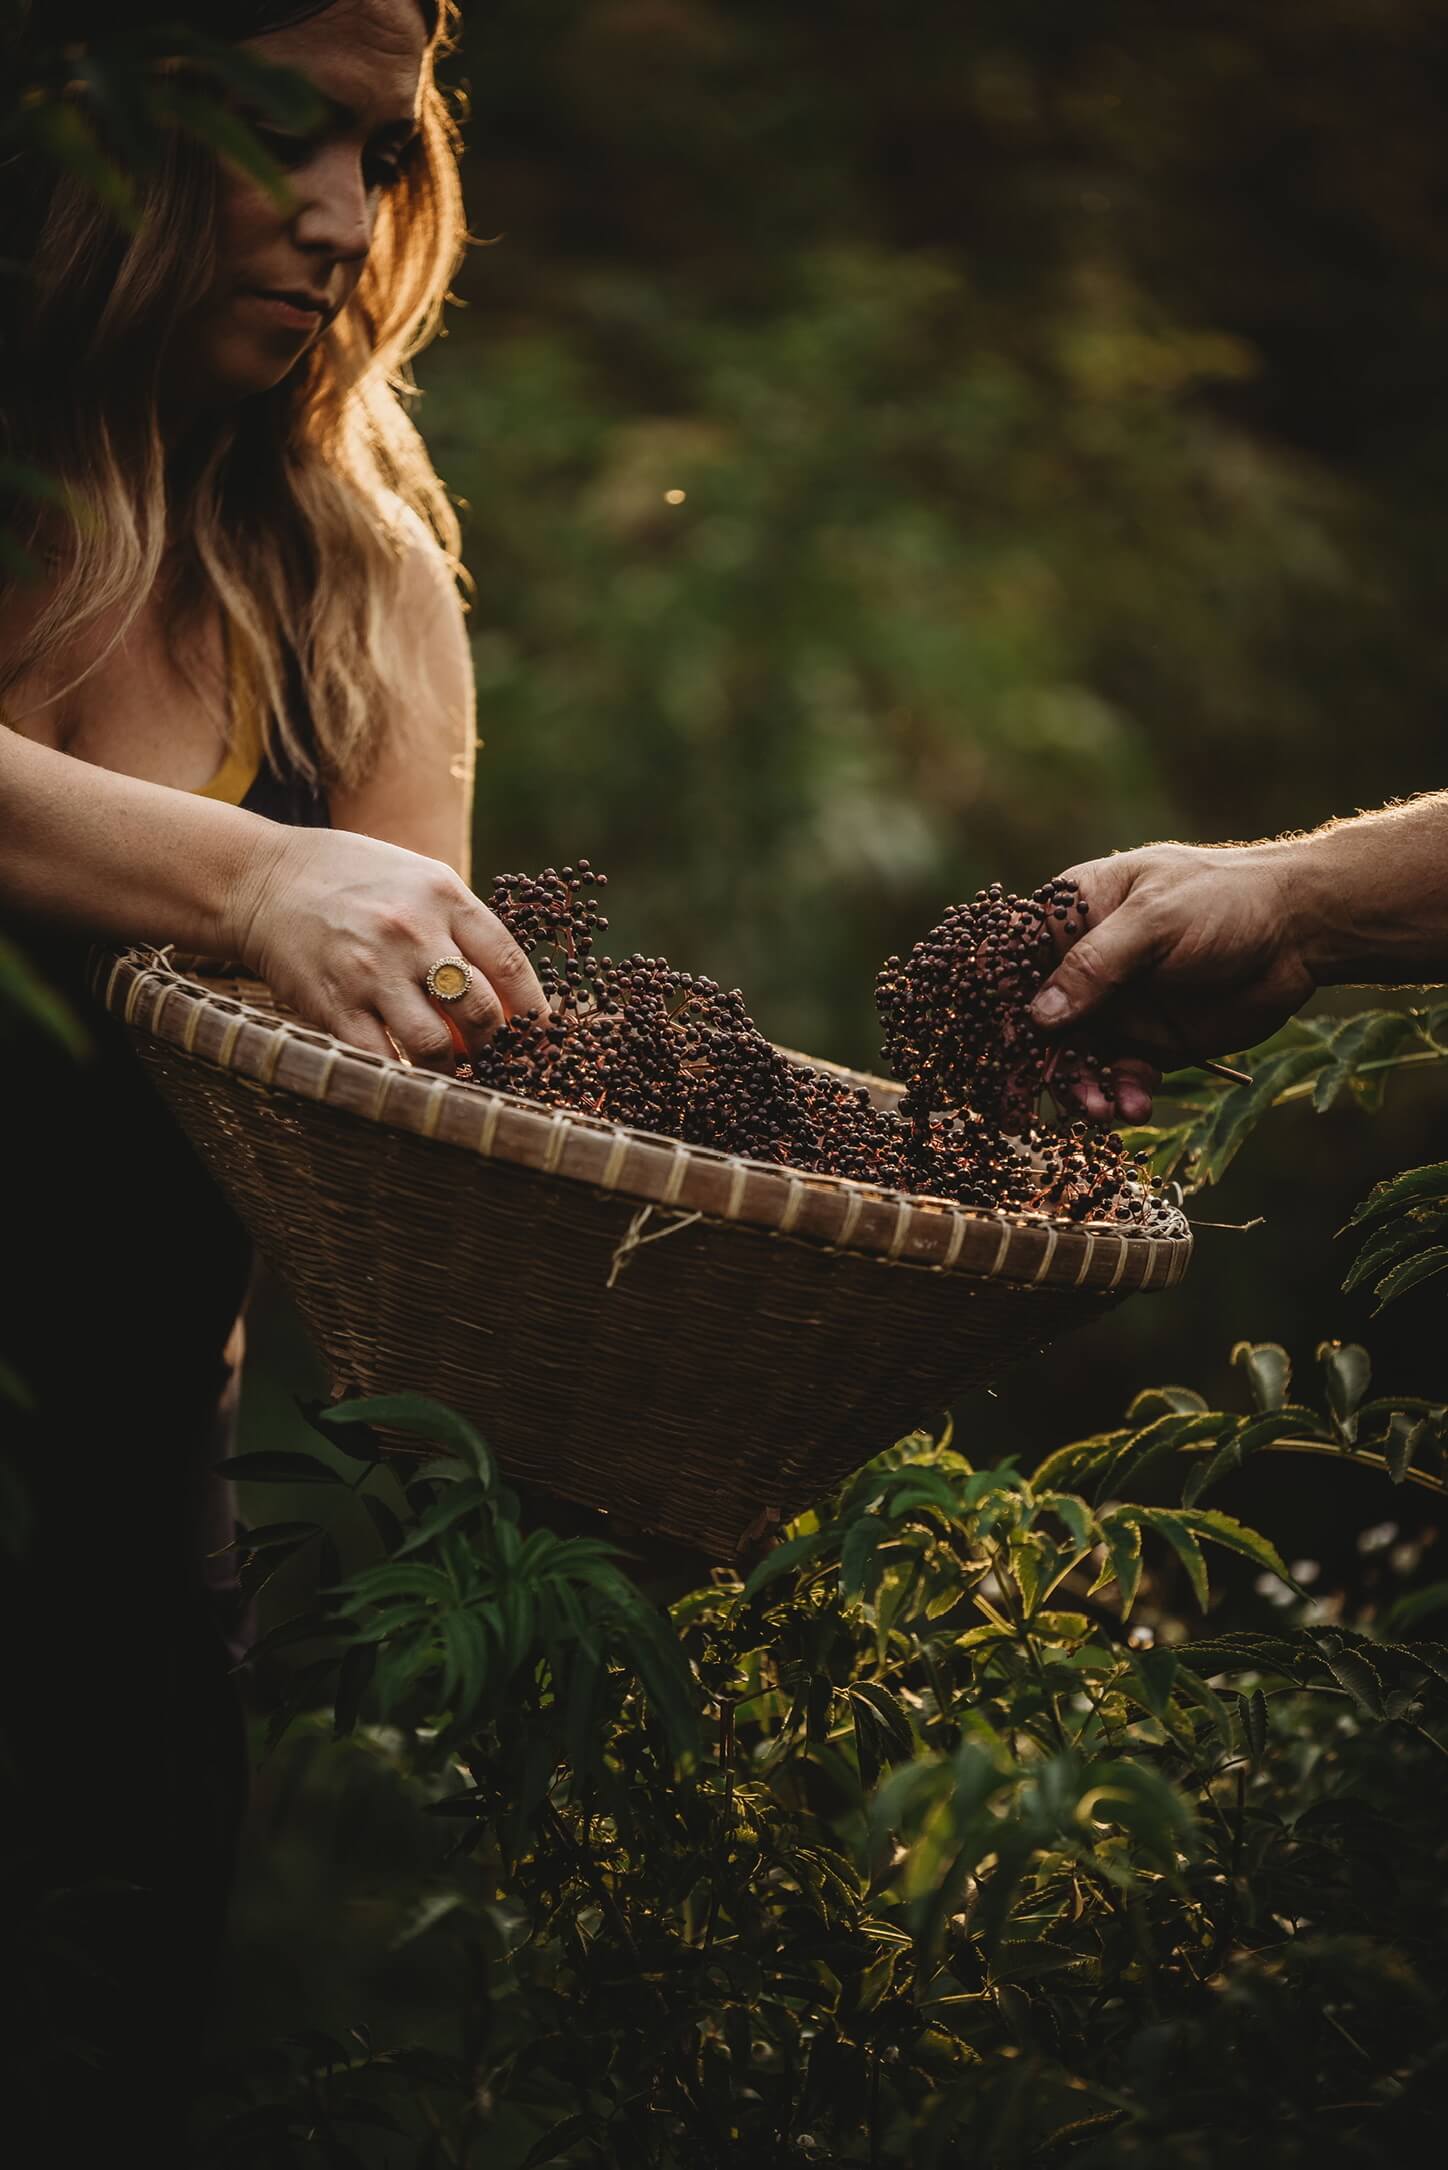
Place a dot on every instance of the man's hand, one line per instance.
(1190, 951)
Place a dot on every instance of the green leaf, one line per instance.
(1253, 1708)
(1347, 1373)
(1368, 1037)
(1152, 1401)
(1391, 1241)
(419, 1417)
(1269, 1371)
(461, 1500)
(1405, 1435)
(1074, 1513)
(204, 118)
(1409, 1274)
(23, 993)
(1291, 1421)
(860, 1564)
(1177, 1533)
(1352, 1672)
(1071, 1464)
(1143, 1803)
(1160, 1440)
(1226, 1530)
(268, 1535)
(1239, 1110)
(890, 1715)
(782, 1560)
(1410, 1188)
(1155, 1672)
(1123, 1547)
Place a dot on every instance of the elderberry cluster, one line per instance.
(640, 1043)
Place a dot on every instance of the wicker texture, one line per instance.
(696, 1344)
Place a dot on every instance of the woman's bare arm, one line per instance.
(420, 794)
(343, 927)
(1194, 950)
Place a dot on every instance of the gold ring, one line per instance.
(449, 979)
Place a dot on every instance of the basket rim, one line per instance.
(150, 993)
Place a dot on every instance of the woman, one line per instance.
(240, 715)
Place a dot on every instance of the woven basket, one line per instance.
(696, 1344)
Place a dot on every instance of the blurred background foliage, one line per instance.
(1055, 399)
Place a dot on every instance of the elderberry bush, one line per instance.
(641, 1043)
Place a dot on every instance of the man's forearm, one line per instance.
(1369, 896)
(109, 855)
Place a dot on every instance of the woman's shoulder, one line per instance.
(430, 583)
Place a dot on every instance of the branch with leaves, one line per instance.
(1316, 1060)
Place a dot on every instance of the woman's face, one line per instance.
(283, 274)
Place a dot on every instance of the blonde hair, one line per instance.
(295, 515)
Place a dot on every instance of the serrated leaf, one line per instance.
(1347, 1373)
(1409, 1274)
(1074, 1513)
(1269, 1372)
(1393, 1241)
(1239, 1110)
(1410, 1188)
(1226, 1530)
(1177, 1401)
(1405, 1435)
(1070, 1464)
(1352, 1672)
(1143, 1450)
(890, 1715)
(1123, 1548)
(1175, 1530)
(1368, 1037)
(1254, 1724)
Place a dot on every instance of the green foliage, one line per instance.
(30, 1009)
(1402, 1224)
(1316, 1059)
(906, 1847)
(102, 111)
(1406, 1435)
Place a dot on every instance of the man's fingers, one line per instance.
(1131, 1083)
(1096, 967)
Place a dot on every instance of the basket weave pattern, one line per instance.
(694, 1343)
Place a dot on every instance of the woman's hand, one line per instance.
(343, 929)
(1191, 951)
